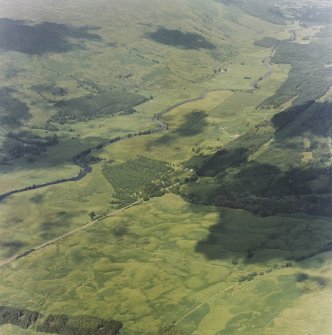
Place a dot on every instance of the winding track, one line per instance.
(61, 237)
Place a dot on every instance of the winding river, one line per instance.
(85, 169)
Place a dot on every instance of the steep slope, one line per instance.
(283, 165)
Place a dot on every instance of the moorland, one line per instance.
(165, 169)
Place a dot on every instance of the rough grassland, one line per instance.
(211, 271)
(141, 268)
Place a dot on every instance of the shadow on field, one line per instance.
(58, 223)
(54, 224)
(179, 39)
(279, 179)
(243, 237)
(10, 248)
(193, 124)
(24, 150)
(279, 166)
(312, 118)
(12, 111)
(42, 38)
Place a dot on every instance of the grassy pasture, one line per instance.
(40, 215)
(141, 268)
(144, 266)
(21, 238)
(221, 124)
(127, 59)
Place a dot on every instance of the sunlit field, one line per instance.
(188, 148)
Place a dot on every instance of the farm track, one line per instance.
(63, 236)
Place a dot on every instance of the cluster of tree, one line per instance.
(50, 93)
(79, 325)
(267, 42)
(87, 84)
(266, 206)
(279, 179)
(48, 126)
(31, 138)
(59, 324)
(171, 330)
(138, 178)
(325, 248)
(29, 143)
(97, 105)
(248, 277)
(309, 78)
(235, 152)
(18, 317)
(90, 159)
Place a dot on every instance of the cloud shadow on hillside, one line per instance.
(179, 39)
(42, 38)
(243, 237)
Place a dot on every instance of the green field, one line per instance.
(207, 128)
(144, 267)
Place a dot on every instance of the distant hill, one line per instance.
(263, 9)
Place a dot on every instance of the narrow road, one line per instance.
(195, 308)
(86, 169)
(63, 236)
(269, 68)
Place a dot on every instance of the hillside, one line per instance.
(165, 167)
(280, 166)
